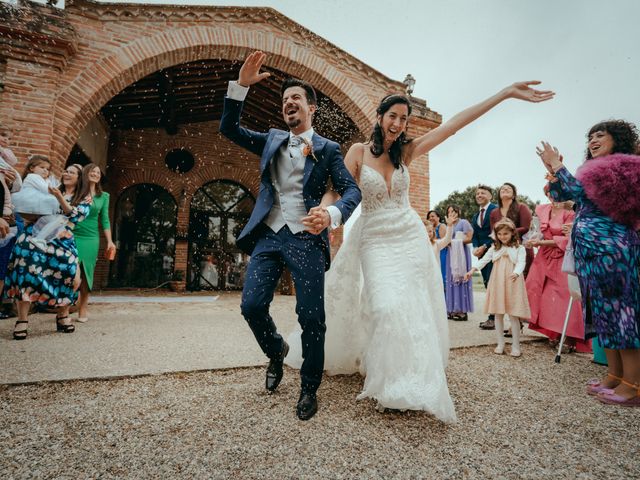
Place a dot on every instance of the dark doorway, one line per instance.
(145, 230)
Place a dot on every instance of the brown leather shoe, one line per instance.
(488, 325)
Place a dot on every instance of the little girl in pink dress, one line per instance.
(506, 292)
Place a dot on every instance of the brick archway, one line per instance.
(87, 93)
(60, 67)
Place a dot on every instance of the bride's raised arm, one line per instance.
(433, 138)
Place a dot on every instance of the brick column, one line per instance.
(36, 43)
(27, 103)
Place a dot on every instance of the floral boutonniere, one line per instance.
(308, 150)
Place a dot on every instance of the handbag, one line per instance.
(110, 254)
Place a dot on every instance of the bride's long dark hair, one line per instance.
(377, 136)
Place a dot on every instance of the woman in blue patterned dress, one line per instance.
(47, 274)
(607, 249)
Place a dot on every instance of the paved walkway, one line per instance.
(154, 335)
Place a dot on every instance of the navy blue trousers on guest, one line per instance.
(303, 254)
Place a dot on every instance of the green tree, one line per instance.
(466, 200)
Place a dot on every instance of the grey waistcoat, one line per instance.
(287, 173)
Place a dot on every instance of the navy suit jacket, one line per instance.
(481, 234)
(328, 163)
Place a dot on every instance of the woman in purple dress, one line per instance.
(458, 292)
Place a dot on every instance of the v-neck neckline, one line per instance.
(388, 185)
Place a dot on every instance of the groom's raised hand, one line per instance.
(250, 70)
(317, 220)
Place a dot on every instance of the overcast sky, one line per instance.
(461, 51)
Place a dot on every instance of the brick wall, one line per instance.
(60, 67)
(137, 156)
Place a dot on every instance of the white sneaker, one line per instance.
(82, 319)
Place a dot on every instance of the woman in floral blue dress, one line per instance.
(607, 249)
(48, 274)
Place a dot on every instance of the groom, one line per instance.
(295, 167)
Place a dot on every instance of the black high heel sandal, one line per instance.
(20, 334)
(61, 327)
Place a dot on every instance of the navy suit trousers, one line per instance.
(303, 254)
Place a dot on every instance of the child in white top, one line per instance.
(36, 197)
(39, 203)
(506, 291)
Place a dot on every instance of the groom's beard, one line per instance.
(294, 123)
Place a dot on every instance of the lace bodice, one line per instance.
(375, 194)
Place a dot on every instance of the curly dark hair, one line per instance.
(625, 136)
(377, 137)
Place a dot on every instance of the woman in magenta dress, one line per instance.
(547, 286)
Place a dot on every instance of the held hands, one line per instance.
(532, 243)
(317, 220)
(550, 157)
(250, 70)
(523, 91)
(514, 277)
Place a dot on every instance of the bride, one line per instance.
(385, 309)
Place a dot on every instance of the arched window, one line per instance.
(219, 211)
(145, 229)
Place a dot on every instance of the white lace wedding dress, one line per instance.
(384, 302)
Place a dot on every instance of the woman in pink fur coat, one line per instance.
(606, 247)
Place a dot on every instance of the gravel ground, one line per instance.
(518, 418)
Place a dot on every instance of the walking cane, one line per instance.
(574, 291)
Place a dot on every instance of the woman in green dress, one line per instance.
(87, 235)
